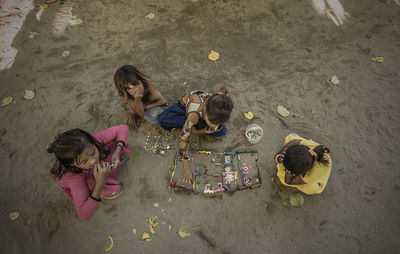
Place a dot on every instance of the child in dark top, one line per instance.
(137, 92)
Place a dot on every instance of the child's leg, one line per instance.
(133, 116)
(173, 117)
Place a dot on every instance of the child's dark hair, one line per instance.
(219, 106)
(298, 159)
(128, 74)
(67, 147)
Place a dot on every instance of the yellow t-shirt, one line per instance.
(316, 178)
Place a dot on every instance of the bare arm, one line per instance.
(136, 106)
(293, 179)
(197, 132)
(156, 97)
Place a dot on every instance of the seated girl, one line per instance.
(86, 166)
(197, 113)
(137, 92)
(303, 164)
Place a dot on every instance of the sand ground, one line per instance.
(271, 53)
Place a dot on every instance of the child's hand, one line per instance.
(101, 171)
(187, 173)
(292, 178)
(139, 91)
(115, 158)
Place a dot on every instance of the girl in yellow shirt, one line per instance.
(303, 164)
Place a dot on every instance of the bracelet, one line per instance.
(121, 141)
(119, 145)
(96, 199)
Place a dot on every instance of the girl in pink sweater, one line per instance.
(86, 166)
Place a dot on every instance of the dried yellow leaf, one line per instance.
(169, 227)
(170, 199)
(43, 6)
(213, 56)
(296, 199)
(151, 229)
(249, 115)
(335, 80)
(66, 53)
(13, 215)
(283, 111)
(146, 237)
(29, 94)
(111, 243)
(378, 59)
(7, 100)
(150, 15)
(77, 21)
(183, 234)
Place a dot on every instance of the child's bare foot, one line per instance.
(133, 122)
(275, 181)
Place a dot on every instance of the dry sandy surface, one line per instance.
(271, 53)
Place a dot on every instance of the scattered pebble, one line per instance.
(134, 231)
(155, 205)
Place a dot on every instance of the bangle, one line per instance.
(96, 199)
(119, 145)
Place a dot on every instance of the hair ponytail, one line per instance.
(320, 151)
(223, 90)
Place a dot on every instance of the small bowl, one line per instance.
(254, 133)
(151, 115)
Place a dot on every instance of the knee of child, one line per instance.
(135, 113)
